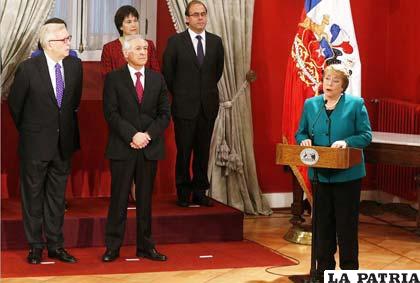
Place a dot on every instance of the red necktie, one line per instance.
(139, 87)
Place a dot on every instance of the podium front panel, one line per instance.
(317, 156)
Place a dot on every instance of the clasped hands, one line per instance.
(336, 144)
(140, 140)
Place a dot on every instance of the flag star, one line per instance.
(320, 51)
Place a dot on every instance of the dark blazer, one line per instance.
(39, 120)
(349, 122)
(126, 117)
(193, 86)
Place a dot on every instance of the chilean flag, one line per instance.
(325, 35)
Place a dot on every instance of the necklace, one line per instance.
(332, 106)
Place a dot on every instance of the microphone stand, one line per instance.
(313, 274)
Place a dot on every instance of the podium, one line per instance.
(317, 157)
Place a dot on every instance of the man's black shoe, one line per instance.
(62, 255)
(204, 201)
(110, 255)
(35, 256)
(152, 254)
(182, 203)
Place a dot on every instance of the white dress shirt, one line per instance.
(195, 40)
(51, 69)
(134, 77)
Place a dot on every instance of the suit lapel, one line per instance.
(67, 81)
(190, 46)
(208, 47)
(45, 76)
(147, 84)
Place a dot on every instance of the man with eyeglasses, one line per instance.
(73, 53)
(39, 50)
(43, 102)
(192, 65)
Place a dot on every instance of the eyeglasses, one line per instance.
(64, 40)
(196, 15)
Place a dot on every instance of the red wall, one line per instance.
(165, 27)
(402, 73)
(275, 25)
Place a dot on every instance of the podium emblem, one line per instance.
(309, 156)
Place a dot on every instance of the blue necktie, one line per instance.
(59, 84)
(200, 50)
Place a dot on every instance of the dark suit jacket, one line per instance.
(193, 86)
(126, 117)
(39, 120)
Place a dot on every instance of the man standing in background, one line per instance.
(43, 101)
(192, 66)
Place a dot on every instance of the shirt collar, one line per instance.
(193, 34)
(51, 63)
(134, 71)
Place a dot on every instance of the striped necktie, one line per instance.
(59, 84)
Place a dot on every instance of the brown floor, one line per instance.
(383, 245)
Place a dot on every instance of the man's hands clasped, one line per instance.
(140, 140)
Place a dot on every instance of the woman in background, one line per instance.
(126, 21)
(337, 120)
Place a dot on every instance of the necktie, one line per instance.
(200, 50)
(59, 84)
(139, 87)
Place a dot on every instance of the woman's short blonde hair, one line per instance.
(342, 71)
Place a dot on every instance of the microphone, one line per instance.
(312, 135)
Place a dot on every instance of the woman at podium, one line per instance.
(339, 120)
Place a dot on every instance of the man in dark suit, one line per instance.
(192, 66)
(73, 53)
(136, 108)
(43, 101)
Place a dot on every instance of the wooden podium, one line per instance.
(334, 158)
(318, 157)
(311, 156)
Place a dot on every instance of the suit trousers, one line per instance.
(123, 172)
(192, 137)
(42, 187)
(337, 215)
